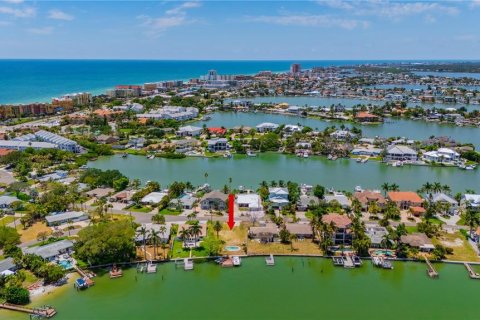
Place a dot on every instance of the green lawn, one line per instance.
(6, 220)
(179, 252)
(170, 212)
(412, 229)
(139, 209)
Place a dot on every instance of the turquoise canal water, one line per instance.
(419, 130)
(349, 103)
(342, 174)
(295, 288)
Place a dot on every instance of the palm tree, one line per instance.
(206, 176)
(386, 241)
(217, 226)
(143, 232)
(195, 231)
(155, 237)
(184, 233)
(472, 219)
(437, 187)
(394, 187)
(158, 218)
(446, 188)
(385, 187)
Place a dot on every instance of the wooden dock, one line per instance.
(432, 273)
(45, 312)
(86, 277)
(471, 272)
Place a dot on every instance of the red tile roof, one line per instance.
(217, 130)
(409, 196)
(341, 221)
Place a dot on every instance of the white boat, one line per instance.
(236, 260)
(358, 189)
(329, 157)
(305, 155)
(270, 261)
(187, 264)
(470, 167)
(364, 160)
(151, 267)
(227, 155)
(150, 156)
(251, 154)
(359, 160)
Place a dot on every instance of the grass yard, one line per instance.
(31, 233)
(179, 252)
(139, 209)
(170, 212)
(161, 254)
(6, 220)
(411, 229)
(236, 237)
(299, 247)
(462, 251)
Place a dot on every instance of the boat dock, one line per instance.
(471, 272)
(151, 267)
(381, 262)
(348, 262)
(432, 273)
(186, 263)
(85, 281)
(270, 261)
(44, 312)
(337, 261)
(115, 272)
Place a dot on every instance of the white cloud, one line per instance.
(174, 17)
(26, 12)
(41, 30)
(310, 21)
(391, 9)
(4, 23)
(60, 15)
(475, 3)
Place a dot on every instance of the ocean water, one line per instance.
(26, 81)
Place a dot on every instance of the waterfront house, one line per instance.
(419, 241)
(367, 117)
(342, 223)
(124, 196)
(405, 199)
(343, 135)
(6, 201)
(471, 201)
(59, 218)
(306, 201)
(106, 139)
(51, 251)
(185, 145)
(342, 199)
(163, 231)
(375, 233)
(442, 155)
(54, 176)
(7, 267)
(186, 201)
(214, 200)
(250, 203)
(189, 131)
(300, 230)
(366, 151)
(367, 198)
(292, 128)
(192, 240)
(267, 127)
(153, 197)
(278, 197)
(218, 131)
(267, 233)
(400, 153)
(220, 144)
(448, 203)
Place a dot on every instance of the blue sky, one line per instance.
(330, 29)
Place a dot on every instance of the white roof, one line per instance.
(64, 216)
(153, 197)
(252, 200)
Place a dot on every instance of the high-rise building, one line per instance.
(295, 68)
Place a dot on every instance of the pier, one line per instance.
(87, 278)
(432, 273)
(270, 261)
(471, 272)
(43, 312)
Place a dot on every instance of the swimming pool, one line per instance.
(65, 264)
(232, 248)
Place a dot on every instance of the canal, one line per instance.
(342, 174)
(295, 288)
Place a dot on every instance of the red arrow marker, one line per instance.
(231, 219)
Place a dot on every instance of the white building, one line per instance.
(251, 204)
(189, 131)
(153, 197)
(400, 153)
(442, 155)
(267, 127)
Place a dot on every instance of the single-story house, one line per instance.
(186, 201)
(249, 202)
(59, 218)
(340, 198)
(153, 197)
(6, 201)
(405, 199)
(305, 201)
(418, 240)
(367, 197)
(189, 131)
(7, 267)
(199, 237)
(51, 251)
(267, 127)
(124, 196)
(267, 233)
(376, 234)
(214, 200)
(163, 231)
(99, 192)
(302, 231)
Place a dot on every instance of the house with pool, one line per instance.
(51, 251)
